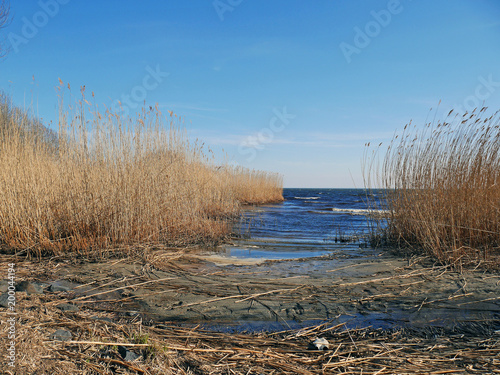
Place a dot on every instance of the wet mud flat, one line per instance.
(378, 312)
(379, 290)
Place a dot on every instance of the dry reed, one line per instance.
(443, 188)
(99, 343)
(106, 180)
(102, 334)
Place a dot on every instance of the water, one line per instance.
(333, 222)
(310, 222)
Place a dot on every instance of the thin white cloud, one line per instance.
(191, 107)
(365, 137)
(224, 140)
(328, 140)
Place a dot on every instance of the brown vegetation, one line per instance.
(443, 188)
(103, 329)
(169, 349)
(106, 181)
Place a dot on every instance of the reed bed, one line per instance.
(267, 187)
(105, 180)
(442, 186)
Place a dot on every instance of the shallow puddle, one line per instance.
(466, 320)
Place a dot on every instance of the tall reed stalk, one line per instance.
(443, 188)
(105, 181)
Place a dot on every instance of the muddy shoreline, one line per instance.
(375, 289)
(188, 312)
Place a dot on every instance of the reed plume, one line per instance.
(443, 188)
(105, 181)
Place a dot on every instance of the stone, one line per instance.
(127, 355)
(62, 286)
(319, 344)
(29, 287)
(67, 307)
(4, 300)
(4, 286)
(61, 335)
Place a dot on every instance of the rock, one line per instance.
(319, 344)
(29, 287)
(127, 355)
(67, 307)
(4, 286)
(62, 286)
(4, 300)
(61, 335)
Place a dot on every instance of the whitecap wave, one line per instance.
(360, 211)
(306, 198)
(320, 212)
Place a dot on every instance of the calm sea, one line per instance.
(310, 222)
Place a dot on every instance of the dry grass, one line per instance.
(169, 349)
(266, 187)
(443, 186)
(105, 180)
(98, 329)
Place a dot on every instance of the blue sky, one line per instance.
(295, 87)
